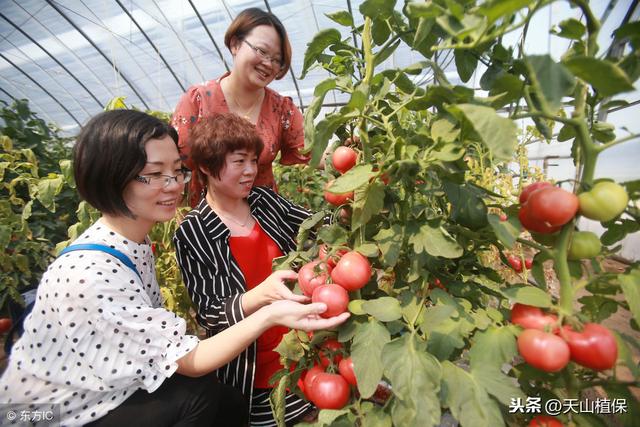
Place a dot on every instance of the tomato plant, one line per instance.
(530, 317)
(551, 206)
(605, 201)
(335, 297)
(544, 421)
(328, 391)
(5, 324)
(584, 244)
(312, 275)
(543, 350)
(515, 262)
(343, 159)
(352, 271)
(345, 367)
(337, 199)
(594, 347)
(330, 352)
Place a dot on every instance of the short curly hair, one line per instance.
(213, 137)
(110, 152)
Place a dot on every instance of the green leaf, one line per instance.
(355, 307)
(342, 17)
(529, 295)
(390, 244)
(424, 10)
(312, 221)
(618, 231)
(468, 209)
(571, 29)
(630, 284)
(366, 351)
(467, 399)
(444, 130)
(495, 9)
(597, 308)
(415, 376)
(554, 79)
(324, 130)
(436, 242)
(384, 53)
(384, 309)
(435, 315)
(606, 77)
(506, 231)
(290, 346)
(375, 416)
(277, 398)
(354, 178)
(322, 40)
(370, 202)
(66, 167)
(380, 31)
(491, 349)
(327, 417)
(466, 64)
(425, 26)
(566, 133)
(496, 132)
(377, 8)
(48, 188)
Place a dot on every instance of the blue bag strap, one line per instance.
(103, 248)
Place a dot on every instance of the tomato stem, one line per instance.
(561, 266)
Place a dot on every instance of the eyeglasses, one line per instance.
(163, 181)
(276, 62)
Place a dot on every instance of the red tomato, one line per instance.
(533, 225)
(552, 206)
(545, 421)
(528, 263)
(352, 272)
(530, 317)
(526, 191)
(515, 263)
(328, 391)
(345, 367)
(595, 347)
(542, 350)
(331, 262)
(330, 349)
(343, 159)
(154, 248)
(312, 275)
(307, 378)
(335, 297)
(503, 217)
(336, 199)
(437, 283)
(5, 325)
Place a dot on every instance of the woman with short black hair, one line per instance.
(99, 348)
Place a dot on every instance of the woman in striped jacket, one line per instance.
(225, 247)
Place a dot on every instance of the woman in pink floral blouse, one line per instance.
(261, 53)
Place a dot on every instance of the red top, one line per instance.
(254, 254)
(280, 125)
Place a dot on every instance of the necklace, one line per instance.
(241, 224)
(246, 114)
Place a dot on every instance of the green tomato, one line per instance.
(584, 244)
(605, 201)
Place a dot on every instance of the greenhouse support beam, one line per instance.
(8, 94)
(32, 40)
(226, 66)
(293, 77)
(41, 87)
(152, 45)
(95, 46)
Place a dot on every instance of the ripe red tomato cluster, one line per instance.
(545, 208)
(594, 347)
(329, 390)
(515, 262)
(329, 279)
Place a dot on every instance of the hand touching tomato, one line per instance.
(335, 297)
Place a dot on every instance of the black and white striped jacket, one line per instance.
(213, 277)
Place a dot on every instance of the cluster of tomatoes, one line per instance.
(544, 209)
(330, 278)
(548, 347)
(329, 390)
(343, 159)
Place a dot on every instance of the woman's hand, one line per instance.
(272, 289)
(302, 316)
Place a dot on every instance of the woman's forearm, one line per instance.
(220, 349)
